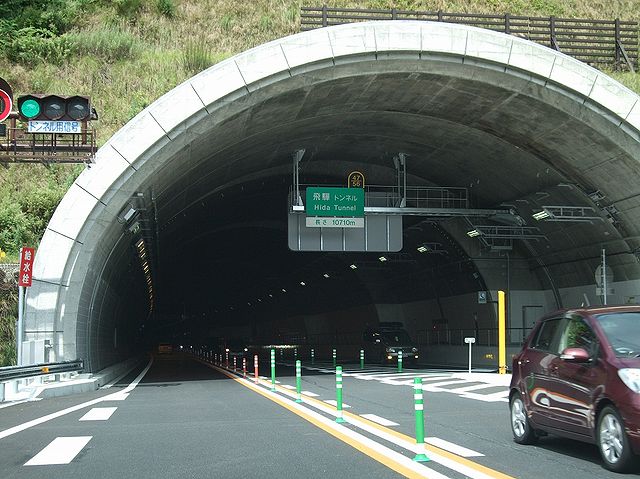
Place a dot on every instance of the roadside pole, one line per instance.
(339, 417)
(419, 408)
(334, 357)
(298, 380)
(255, 367)
(313, 359)
(469, 341)
(19, 333)
(502, 348)
(400, 361)
(362, 359)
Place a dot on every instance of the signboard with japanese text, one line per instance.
(325, 222)
(46, 126)
(328, 201)
(27, 255)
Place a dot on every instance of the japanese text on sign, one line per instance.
(45, 126)
(27, 256)
(326, 201)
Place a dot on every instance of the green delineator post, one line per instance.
(339, 417)
(298, 381)
(400, 361)
(419, 407)
(334, 358)
(362, 359)
(273, 369)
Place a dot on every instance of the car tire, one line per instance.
(521, 428)
(613, 443)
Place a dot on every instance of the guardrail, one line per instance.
(9, 373)
(596, 42)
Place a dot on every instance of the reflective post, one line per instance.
(362, 359)
(298, 381)
(295, 354)
(234, 364)
(334, 358)
(502, 348)
(400, 361)
(273, 369)
(313, 359)
(255, 367)
(419, 408)
(244, 367)
(226, 359)
(339, 417)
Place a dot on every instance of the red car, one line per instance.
(578, 376)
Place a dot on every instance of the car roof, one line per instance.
(592, 310)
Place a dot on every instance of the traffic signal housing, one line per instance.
(54, 107)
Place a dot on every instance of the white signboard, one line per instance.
(45, 126)
(317, 222)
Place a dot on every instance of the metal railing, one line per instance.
(9, 373)
(596, 42)
(484, 336)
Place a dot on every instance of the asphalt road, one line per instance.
(188, 419)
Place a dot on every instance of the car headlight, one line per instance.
(631, 377)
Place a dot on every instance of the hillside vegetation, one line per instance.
(126, 53)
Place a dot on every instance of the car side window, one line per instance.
(578, 334)
(547, 338)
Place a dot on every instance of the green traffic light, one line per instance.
(30, 108)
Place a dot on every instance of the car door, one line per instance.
(573, 384)
(535, 370)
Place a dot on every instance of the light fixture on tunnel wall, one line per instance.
(326, 275)
(302, 283)
(284, 290)
(473, 233)
(541, 215)
(382, 259)
(353, 266)
(422, 249)
(127, 214)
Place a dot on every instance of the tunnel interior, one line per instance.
(211, 207)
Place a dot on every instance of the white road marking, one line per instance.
(451, 447)
(288, 387)
(310, 394)
(98, 414)
(118, 396)
(380, 420)
(334, 403)
(61, 450)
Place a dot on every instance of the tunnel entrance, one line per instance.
(178, 232)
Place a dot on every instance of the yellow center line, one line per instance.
(391, 464)
(463, 461)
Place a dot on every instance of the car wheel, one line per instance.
(523, 433)
(612, 441)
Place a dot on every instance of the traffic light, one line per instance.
(54, 107)
(6, 100)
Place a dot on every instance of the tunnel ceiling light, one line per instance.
(473, 233)
(382, 259)
(422, 249)
(353, 266)
(129, 214)
(541, 215)
(326, 275)
(270, 295)
(302, 283)
(284, 290)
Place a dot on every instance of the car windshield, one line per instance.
(396, 337)
(622, 331)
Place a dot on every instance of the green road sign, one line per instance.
(327, 201)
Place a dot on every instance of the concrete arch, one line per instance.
(79, 263)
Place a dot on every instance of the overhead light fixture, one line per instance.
(473, 233)
(541, 215)
(422, 249)
(382, 259)
(284, 290)
(353, 266)
(326, 275)
(302, 283)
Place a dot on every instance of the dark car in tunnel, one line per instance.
(578, 376)
(384, 342)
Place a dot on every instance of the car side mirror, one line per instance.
(577, 355)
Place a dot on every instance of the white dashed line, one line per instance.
(380, 420)
(98, 414)
(61, 450)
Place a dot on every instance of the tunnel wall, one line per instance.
(77, 244)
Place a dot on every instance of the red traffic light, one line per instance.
(54, 107)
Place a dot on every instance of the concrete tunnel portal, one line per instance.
(178, 231)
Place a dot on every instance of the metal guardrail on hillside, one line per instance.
(597, 42)
(19, 372)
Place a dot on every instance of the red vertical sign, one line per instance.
(27, 255)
